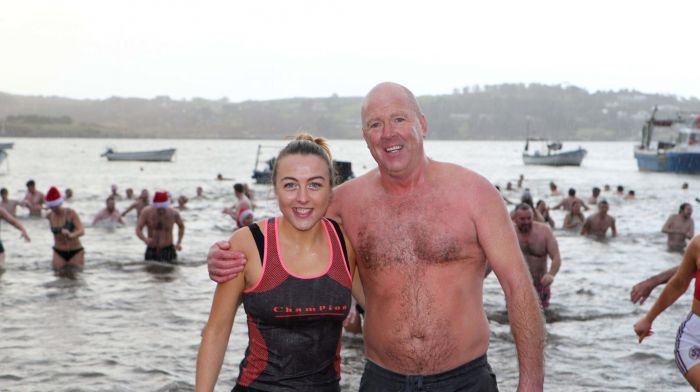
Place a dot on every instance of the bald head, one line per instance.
(389, 89)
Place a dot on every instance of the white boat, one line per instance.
(681, 155)
(551, 154)
(147, 156)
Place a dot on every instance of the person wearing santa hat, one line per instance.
(66, 228)
(159, 220)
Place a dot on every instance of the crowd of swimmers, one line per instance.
(421, 285)
(158, 216)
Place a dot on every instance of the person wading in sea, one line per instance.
(425, 324)
(159, 220)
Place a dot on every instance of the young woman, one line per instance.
(688, 336)
(296, 286)
(66, 228)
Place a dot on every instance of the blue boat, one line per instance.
(679, 156)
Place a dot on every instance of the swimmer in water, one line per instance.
(67, 229)
(537, 242)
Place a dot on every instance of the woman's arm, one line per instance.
(674, 289)
(215, 335)
(79, 229)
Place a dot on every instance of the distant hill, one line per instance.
(505, 111)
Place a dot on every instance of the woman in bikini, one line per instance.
(66, 228)
(295, 288)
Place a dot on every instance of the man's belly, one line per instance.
(429, 341)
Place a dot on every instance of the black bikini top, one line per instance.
(68, 226)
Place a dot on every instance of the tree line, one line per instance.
(503, 112)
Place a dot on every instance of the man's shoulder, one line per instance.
(459, 175)
(541, 227)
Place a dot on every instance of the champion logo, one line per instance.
(291, 311)
(694, 352)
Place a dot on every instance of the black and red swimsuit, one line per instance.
(295, 322)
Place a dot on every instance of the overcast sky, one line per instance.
(295, 48)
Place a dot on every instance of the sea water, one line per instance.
(118, 327)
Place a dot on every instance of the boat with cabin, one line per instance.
(143, 156)
(343, 169)
(679, 153)
(550, 153)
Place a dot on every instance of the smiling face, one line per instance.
(303, 189)
(393, 129)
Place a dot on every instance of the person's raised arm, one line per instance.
(14, 222)
(641, 291)
(224, 263)
(131, 207)
(675, 288)
(584, 205)
(499, 242)
(215, 335)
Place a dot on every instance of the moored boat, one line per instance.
(145, 156)
(551, 154)
(681, 155)
(343, 170)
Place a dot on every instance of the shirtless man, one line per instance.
(140, 203)
(574, 219)
(8, 204)
(537, 242)
(679, 228)
(595, 193)
(424, 315)
(599, 223)
(115, 192)
(109, 214)
(569, 200)
(553, 189)
(159, 219)
(33, 199)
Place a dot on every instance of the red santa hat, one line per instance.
(161, 200)
(243, 214)
(53, 197)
